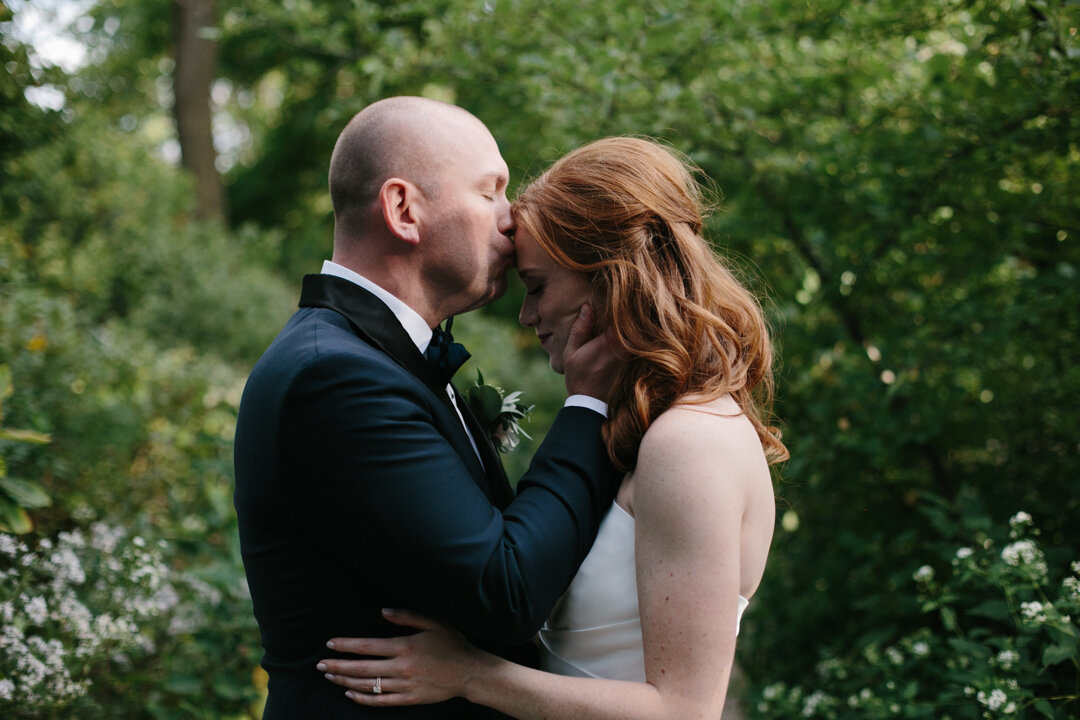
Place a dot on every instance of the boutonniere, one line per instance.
(498, 413)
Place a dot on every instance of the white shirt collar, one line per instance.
(414, 325)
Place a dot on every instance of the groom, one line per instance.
(362, 481)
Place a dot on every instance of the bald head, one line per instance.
(405, 137)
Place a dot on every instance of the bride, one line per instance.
(647, 627)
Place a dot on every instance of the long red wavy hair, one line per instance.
(627, 213)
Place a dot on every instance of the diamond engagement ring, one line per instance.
(377, 690)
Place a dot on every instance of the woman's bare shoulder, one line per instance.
(701, 448)
(717, 427)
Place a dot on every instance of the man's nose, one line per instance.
(506, 222)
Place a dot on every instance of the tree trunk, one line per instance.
(196, 57)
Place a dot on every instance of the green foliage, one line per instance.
(93, 618)
(127, 331)
(899, 180)
(998, 636)
(17, 496)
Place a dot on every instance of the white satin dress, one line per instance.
(595, 628)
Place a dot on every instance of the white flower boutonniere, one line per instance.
(498, 413)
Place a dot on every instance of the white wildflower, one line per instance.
(7, 689)
(12, 637)
(1007, 658)
(37, 610)
(1025, 553)
(1020, 519)
(1075, 565)
(1017, 524)
(32, 669)
(67, 567)
(995, 700)
(137, 541)
(1071, 586)
(73, 539)
(207, 593)
(924, 574)
(894, 656)
(772, 691)
(8, 545)
(812, 701)
(1033, 611)
(964, 553)
(920, 649)
(105, 538)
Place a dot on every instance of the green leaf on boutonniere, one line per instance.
(498, 413)
(485, 401)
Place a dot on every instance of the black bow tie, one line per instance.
(445, 355)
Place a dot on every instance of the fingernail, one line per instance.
(389, 611)
(330, 644)
(321, 667)
(348, 694)
(328, 676)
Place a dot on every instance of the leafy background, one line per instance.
(898, 182)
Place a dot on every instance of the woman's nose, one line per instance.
(527, 316)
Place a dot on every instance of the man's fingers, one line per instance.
(581, 331)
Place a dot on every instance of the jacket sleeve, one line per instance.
(397, 503)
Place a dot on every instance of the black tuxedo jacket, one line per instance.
(357, 489)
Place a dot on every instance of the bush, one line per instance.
(998, 638)
(99, 624)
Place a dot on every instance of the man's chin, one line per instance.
(495, 290)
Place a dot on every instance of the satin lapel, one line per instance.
(376, 324)
(373, 321)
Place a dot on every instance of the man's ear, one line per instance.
(400, 203)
